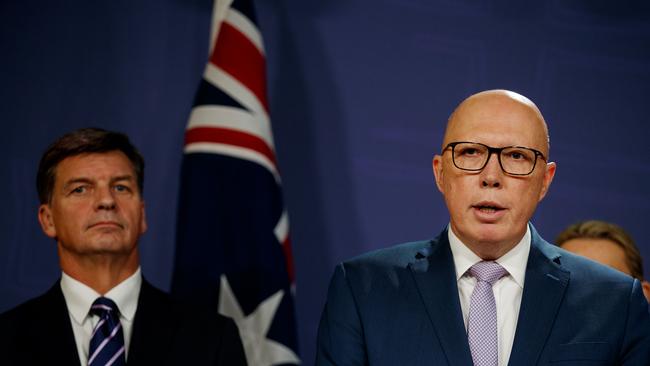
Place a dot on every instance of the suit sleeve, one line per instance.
(341, 339)
(636, 343)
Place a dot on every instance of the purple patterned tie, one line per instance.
(482, 322)
(107, 340)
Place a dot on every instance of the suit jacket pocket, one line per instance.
(590, 352)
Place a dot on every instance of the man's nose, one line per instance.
(492, 174)
(105, 198)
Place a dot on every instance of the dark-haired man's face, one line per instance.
(96, 207)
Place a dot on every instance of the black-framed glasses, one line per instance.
(474, 156)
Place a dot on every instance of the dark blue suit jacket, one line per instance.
(165, 332)
(400, 306)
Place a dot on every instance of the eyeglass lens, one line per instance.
(514, 160)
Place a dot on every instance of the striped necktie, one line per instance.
(482, 321)
(107, 340)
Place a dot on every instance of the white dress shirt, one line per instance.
(507, 290)
(79, 298)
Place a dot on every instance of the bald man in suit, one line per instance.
(488, 290)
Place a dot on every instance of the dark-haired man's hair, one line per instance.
(84, 141)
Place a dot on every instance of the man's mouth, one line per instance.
(105, 224)
(488, 207)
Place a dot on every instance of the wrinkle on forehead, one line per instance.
(492, 98)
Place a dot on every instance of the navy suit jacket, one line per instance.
(165, 332)
(400, 306)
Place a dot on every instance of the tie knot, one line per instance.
(489, 272)
(104, 306)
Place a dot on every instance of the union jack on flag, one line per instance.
(233, 245)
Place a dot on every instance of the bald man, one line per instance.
(488, 290)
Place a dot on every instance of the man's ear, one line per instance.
(438, 172)
(548, 178)
(46, 220)
(143, 219)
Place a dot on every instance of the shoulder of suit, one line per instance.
(35, 304)
(400, 255)
(583, 271)
(31, 312)
(589, 270)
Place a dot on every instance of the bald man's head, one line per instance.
(489, 103)
(493, 169)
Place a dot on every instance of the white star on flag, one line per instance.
(260, 351)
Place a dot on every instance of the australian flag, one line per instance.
(233, 247)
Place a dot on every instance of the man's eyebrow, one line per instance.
(119, 178)
(75, 181)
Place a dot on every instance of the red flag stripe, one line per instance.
(230, 137)
(288, 256)
(238, 56)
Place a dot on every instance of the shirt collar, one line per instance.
(514, 261)
(80, 297)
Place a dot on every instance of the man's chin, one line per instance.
(487, 232)
(97, 253)
(488, 235)
(108, 247)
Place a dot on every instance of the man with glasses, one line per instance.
(488, 290)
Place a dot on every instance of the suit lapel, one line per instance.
(435, 279)
(53, 332)
(153, 328)
(544, 289)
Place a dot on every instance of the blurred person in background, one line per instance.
(606, 243)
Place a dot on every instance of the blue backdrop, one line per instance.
(360, 92)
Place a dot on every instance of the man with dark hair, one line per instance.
(605, 243)
(101, 311)
(488, 290)
(85, 141)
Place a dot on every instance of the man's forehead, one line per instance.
(112, 163)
